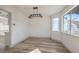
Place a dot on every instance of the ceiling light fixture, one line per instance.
(35, 13)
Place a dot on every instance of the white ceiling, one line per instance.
(47, 10)
(43, 9)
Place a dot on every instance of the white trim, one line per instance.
(70, 9)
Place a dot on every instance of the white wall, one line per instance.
(70, 41)
(57, 36)
(21, 29)
(40, 27)
(24, 27)
(2, 40)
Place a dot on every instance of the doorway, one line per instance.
(5, 28)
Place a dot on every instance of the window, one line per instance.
(55, 24)
(71, 22)
(4, 27)
(1, 26)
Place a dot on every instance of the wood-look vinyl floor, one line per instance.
(40, 45)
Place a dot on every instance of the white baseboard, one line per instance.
(40, 37)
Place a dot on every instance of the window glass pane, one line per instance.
(67, 23)
(75, 24)
(4, 27)
(55, 24)
(1, 27)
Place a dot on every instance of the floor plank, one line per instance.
(43, 45)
